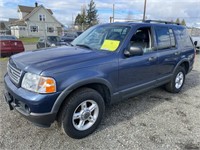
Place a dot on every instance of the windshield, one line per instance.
(107, 37)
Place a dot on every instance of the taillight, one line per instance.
(2, 43)
(17, 43)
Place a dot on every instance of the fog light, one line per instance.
(27, 108)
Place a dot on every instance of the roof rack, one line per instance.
(135, 20)
(160, 21)
(132, 20)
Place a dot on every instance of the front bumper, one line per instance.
(33, 106)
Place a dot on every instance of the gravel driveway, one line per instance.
(153, 120)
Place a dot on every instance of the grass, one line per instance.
(29, 40)
(4, 59)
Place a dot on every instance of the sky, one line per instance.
(65, 11)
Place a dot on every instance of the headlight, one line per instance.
(52, 45)
(39, 84)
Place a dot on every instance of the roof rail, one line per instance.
(135, 20)
(160, 21)
(132, 20)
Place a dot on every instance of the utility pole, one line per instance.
(144, 14)
(110, 19)
(113, 12)
(45, 34)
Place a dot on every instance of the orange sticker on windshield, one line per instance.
(110, 45)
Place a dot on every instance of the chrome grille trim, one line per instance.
(14, 73)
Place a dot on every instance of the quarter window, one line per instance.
(183, 37)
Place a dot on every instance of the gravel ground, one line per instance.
(153, 120)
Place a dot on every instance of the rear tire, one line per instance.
(82, 113)
(177, 82)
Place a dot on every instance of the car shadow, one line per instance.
(132, 107)
(143, 103)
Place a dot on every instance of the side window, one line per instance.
(143, 38)
(163, 38)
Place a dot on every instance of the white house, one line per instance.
(35, 22)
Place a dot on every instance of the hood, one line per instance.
(40, 60)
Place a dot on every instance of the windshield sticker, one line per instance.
(110, 45)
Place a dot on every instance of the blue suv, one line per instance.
(105, 64)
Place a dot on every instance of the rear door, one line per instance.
(168, 52)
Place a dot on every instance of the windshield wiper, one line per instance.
(85, 46)
(70, 44)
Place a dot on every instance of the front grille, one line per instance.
(14, 73)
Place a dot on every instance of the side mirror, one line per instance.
(133, 51)
(195, 43)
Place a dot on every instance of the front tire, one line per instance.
(177, 82)
(82, 113)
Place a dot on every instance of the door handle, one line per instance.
(152, 59)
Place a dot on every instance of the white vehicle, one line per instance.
(197, 38)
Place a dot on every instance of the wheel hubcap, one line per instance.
(179, 80)
(85, 115)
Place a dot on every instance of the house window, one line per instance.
(22, 28)
(50, 29)
(34, 28)
(42, 17)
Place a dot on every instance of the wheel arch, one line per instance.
(100, 85)
(185, 64)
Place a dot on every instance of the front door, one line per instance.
(138, 72)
